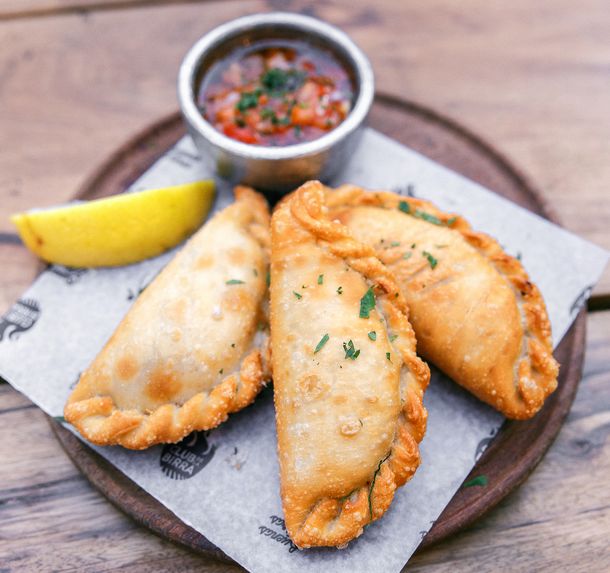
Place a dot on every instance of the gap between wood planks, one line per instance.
(100, 6)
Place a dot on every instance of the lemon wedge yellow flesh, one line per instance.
(116, 230)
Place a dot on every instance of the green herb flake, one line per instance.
(441, 246)
(350, 350)
(413, 245)
(340, 290)
(295, 293)
(404, 207)
(433, 262)
(221, 371)
(59, 419)
(479, 480)
(373, 335)
(388, 356)
(367, 303)
(450, 221)
(395, 244)
(428, 217)
(268, 279)
(393, 337)
(407, 256)
(320, 279)
(233, 345)
(247, 101)
(321, 344)
(255, 272)
(234, 282)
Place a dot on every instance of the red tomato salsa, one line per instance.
(276, 94)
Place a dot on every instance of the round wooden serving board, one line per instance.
(518, 447)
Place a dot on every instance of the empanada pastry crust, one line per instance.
(194, 346)
(475, 312)
(348, 388)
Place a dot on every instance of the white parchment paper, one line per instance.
(225, 483)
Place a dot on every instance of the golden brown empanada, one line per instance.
(348, 384)
(475, 312)
(191, 349)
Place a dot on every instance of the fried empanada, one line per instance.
(348, 384)
(475, 313)
(194, 346)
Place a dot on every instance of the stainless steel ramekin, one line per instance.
(274, 168)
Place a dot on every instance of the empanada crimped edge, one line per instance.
(336, 521)
(97, 417)
(536, 373)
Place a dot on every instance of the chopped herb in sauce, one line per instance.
(350, 350)
(431, 260)
(367, 303)
(388, 356)
(373, 335)
(234, 282)
(321, 344)
(320, 279)
(276, 95)
(295, 293)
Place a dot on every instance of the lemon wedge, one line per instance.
(116, 230)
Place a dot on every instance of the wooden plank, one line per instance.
(559, 513)
(530, 77)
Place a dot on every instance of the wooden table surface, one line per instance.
(78, 77)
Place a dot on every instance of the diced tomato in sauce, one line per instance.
(276, 95)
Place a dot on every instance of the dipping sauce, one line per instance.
(276, 93)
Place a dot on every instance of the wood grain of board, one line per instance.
(531, 77)
(559, 520)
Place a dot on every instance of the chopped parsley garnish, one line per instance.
(433, 262)
(350, 350)
(59, 419)
(404, 207)
(277, 82)
(367, 303)
(234, 282)
(340, 290)
(388, 356)
(395, 244)
(479, 480)
(373, 335)
(221, 371)
(321, 344)
(451, 221)
(233, 345)
(427, 217)
(295, 293)
(268, 278)
(320, 279)
(393, 337)
(247, 101)
(413, 245)
(441, 246)
(255, 272)
(407, 255)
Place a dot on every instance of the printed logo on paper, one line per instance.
(188, 457)
(277, 536)
(20, 318)
(71, 276)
